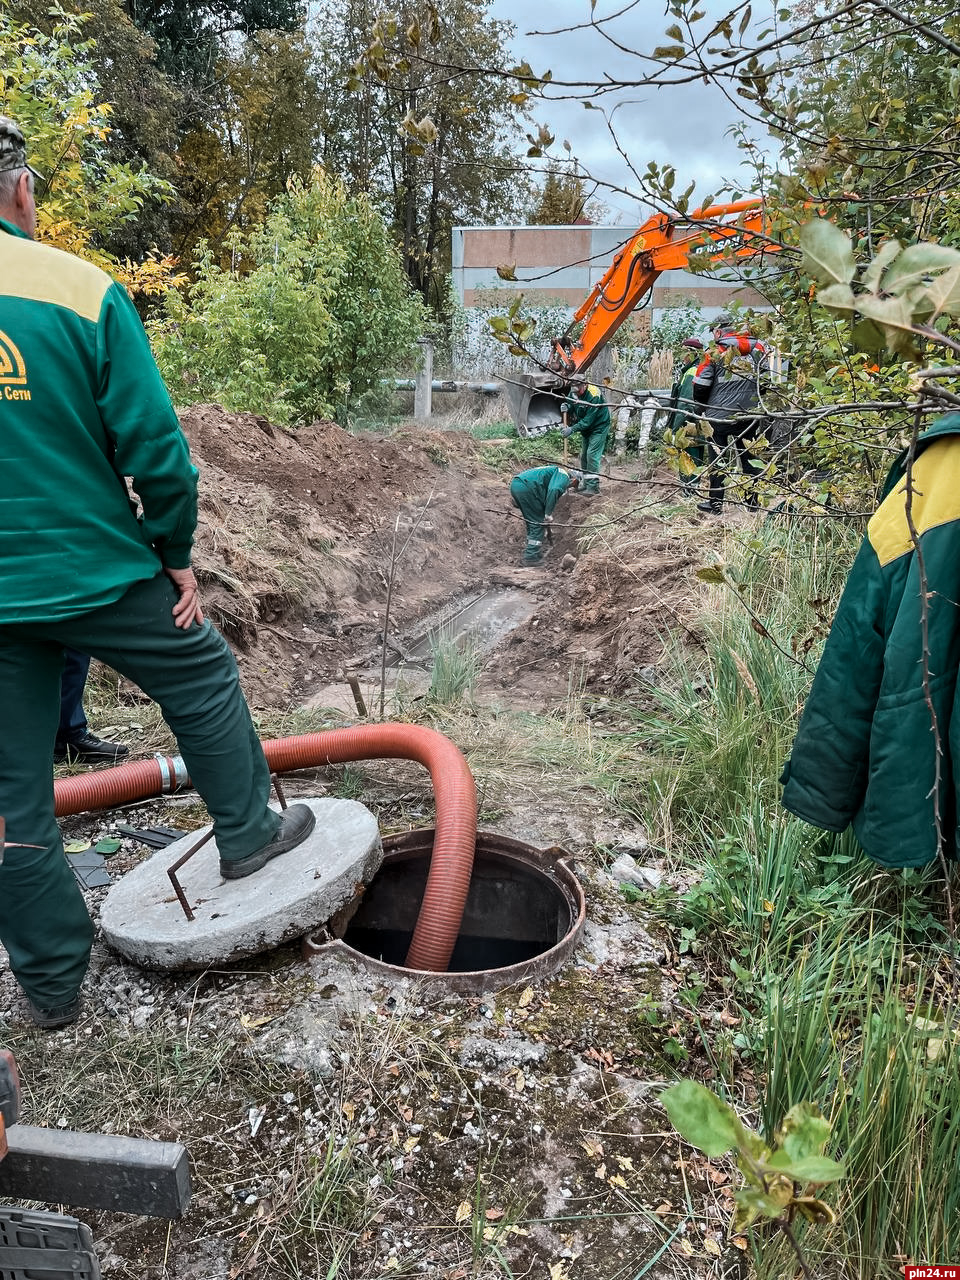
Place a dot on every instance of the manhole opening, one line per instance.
(515, 911)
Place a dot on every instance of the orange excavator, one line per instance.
(723, 233)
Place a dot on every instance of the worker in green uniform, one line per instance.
(683, 417)
(536, 492)
(585, 410)
(82, 406)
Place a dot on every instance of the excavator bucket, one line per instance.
(535, 400)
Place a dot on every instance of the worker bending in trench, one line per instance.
(536, 492)
(82, 405)
(585, 410)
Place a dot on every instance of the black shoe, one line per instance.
(713, 507)
(89, 749)
(296, 823)
(59, 1015)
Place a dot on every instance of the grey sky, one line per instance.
(683, 125)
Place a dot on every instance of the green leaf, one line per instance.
(887, 252)
(804, 1131)
(753, 1202)
(895, 318)
(808, 1168)
(917, 263)
(827, 252)
(675, 33)
(702, 1118)
(499, 324)
(868, 336)
(837, 297)
(944, 293)
(107, 846)
(713, 573)
(669, 52)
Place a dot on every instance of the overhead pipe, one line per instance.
(451, 864)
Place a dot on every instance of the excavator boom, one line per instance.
(663, 243)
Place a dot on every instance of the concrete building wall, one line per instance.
(562, 264)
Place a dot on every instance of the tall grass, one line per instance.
(837, 968)
(454, 670)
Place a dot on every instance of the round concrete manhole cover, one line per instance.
(296, 892)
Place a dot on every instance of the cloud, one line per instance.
(683, 125)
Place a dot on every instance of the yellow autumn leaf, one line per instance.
(349, 1110)
(519, 1082)
(410, 1143)
(250, 1023)
(526, 995)
(464, 1211)
(625, 1163)
(558, 1271)
(592, 1147)
(617, 1181)
(710, 1246)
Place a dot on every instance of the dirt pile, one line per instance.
(297, 535)
(297, 529)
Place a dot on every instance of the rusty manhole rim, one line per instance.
(551, 864)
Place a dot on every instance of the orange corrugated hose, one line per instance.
(451, 864)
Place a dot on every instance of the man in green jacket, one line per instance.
(536, 492)
(82, 406)
(585, 410)
(683, 417)
(866, 751)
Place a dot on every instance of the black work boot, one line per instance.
(89, 749)
(713, 507)
(58, 1015)
(296, 823)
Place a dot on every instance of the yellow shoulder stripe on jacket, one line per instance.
(40, 273)
(936, 501)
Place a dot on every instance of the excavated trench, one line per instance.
(480, 621)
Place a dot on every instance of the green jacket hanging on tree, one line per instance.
(865, 751)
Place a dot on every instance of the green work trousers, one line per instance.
(591, 455)
(192, 674)
(531, 508)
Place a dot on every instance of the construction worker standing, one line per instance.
(83, 407)
(586, 411)
(726, 389)
(536, 492)
(681, 401)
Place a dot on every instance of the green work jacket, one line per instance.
(82, 405)
(681, 400)
(540, 488)
(865, 750)
(587, 413)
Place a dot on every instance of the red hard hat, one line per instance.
(695, 343)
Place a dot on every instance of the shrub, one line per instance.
(312, 308)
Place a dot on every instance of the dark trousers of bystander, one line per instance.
(727, 436)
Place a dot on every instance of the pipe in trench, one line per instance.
(451, 864)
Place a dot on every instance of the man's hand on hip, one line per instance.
(187, 609)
